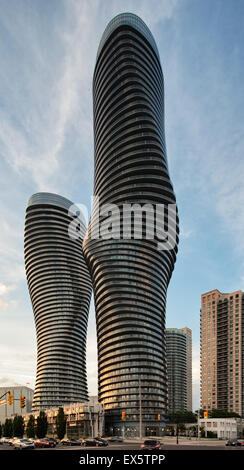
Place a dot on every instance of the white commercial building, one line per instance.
(225, 428)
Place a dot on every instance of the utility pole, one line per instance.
(140, 408)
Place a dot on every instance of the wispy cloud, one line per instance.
(17, 363)
(54, 93)
(11, 247)
(50, 99)
(4, 289)
(185, 233)
(206, 158)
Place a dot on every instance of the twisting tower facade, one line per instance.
(60, 290)
(130, 276)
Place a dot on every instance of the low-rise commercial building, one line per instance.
(225, 428)
(83, 419)
(9, 411)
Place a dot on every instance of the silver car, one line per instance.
(5, 440)
(23, 444)
(12, 440)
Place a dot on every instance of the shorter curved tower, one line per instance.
(60, 290)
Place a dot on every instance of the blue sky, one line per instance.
(47, 56)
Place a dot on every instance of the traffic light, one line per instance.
(205, 415)
(22, 401)
(123, 416)
(159, 416)
(10, 398)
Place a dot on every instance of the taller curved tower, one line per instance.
(130, 276)
(60, 290)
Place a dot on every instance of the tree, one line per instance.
(8, 428)
(182, 417)
(60, 423)
(30, 428)
(41, 425)
(18, 426)
(193, 430)
(214, 413)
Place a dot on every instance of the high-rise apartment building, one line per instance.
(130, 275)
(179, 369)
(222, 351)
(188, 333)
(60, 290)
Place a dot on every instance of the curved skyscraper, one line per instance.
(60, 290)
(130, 274)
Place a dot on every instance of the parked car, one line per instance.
(233, 442)
(70, 442)
(101, 442)
(23, 444)
(241, 441)
(116, 439)
(45, 442)
(12, 440)
(90, 442)
(52, 439)
(151, 444)
(5, 440)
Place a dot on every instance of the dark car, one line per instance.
(53, 440)
(151, 444)
(70, 442)
(101, 442)
(90, 442)
(45, 442)
(233, 442)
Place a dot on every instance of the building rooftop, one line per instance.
(127, 19)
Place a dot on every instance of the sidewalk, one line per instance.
(182, 440)
(194, 441)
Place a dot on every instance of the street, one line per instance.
(167, 443)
